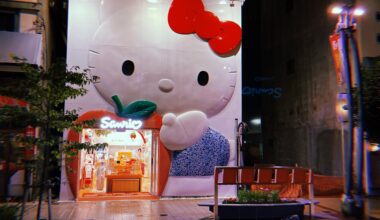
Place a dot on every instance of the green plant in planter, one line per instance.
(257, 196)
(244, 196)
(273, 196)
(230, 201)
(261, 196)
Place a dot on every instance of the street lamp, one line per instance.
(340, 9)
(345, 28)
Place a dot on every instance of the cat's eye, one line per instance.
(203, 78)
(128, 67)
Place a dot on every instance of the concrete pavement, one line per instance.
(178, 209)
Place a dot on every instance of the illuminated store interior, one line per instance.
(122, 167)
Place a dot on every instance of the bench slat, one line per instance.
(282, 176)
(264, 175)
(230, 176)
(299, 176)
(247, 175)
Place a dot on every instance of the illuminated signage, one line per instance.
(107, 122)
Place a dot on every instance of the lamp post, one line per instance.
(346, 26)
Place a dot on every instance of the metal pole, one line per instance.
(344, 147)
(241, 130)
(237, 142)
(347, 202)
(49, 199)
(237, 139)
(345, 28)
(359, 132)
(26, 190)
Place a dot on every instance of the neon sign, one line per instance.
(107, 122)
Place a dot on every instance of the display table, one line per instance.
(117, 183)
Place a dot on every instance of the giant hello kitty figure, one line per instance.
(143, 60)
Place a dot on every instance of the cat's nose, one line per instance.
(166, 85)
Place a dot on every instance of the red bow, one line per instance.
(187, 17)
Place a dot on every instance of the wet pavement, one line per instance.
(328, 208)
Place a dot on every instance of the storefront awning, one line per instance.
(4, 100)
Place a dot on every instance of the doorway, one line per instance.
(125, 168)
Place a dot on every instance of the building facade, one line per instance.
(369, 29)
(368, 35)
(33, 30)
(19, 36)
(301, 126)
(148, 54)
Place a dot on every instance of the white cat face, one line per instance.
(138, 57)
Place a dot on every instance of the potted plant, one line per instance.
(262, 203)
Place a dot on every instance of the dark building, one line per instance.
(289, 81)
(294, 85)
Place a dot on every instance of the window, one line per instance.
(9, 21)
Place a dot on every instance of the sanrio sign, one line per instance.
(107, 122)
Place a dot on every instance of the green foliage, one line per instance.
(15, 117)
(255, 196)
(9, 212)
(371, 101)
(45, 91)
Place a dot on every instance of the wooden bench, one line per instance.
(264, 175)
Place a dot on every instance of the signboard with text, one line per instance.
(337, 56)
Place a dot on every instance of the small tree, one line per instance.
(45, 91)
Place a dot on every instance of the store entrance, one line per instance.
(124, 168)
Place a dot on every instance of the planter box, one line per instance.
(258, 211)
